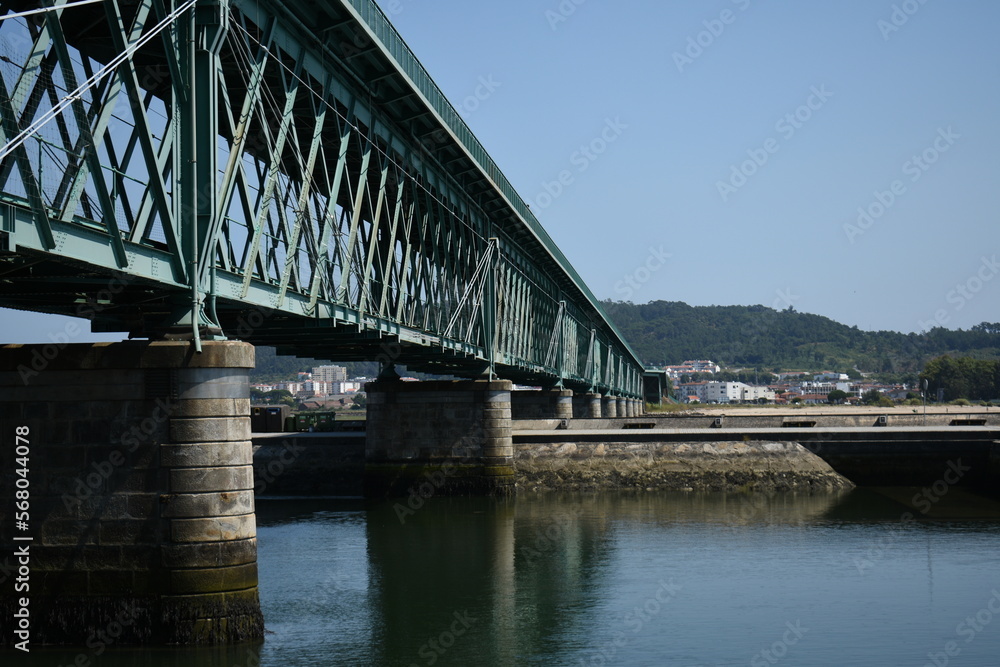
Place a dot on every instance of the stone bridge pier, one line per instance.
(609, 406)
(541, 404)
(139, 494)
(587, 406)
(438, 438)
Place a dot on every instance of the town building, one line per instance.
(692, 392)
(691, 367)
(736, 392)
(330, 374)
(349, 387)
(313, 388)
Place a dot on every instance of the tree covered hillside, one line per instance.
(669, 332)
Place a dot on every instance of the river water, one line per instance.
(854, 578)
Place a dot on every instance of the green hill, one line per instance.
(273, 368)
(669, 332)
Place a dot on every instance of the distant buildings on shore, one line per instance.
(792, 386)
(322, 382)
(691, 367)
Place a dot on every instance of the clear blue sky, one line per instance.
(678, 117)
(780, 236)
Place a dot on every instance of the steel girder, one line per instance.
(277, 172)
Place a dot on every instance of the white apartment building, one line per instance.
(349, 387)
(735, 392)
(831, 376)
(314, 388)
(687, 390)
(330, 374)
(692, 366)
(817, 387)
(702, 366)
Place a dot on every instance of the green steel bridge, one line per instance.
(284, 173)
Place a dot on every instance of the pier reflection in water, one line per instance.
(630, 579)
(688, 579)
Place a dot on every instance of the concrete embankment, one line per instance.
(309, 464)
(701, 466)
(316, 464)
(795, 450)
(887, 456)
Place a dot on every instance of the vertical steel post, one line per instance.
(490, 307)
(200, 38)
(561, 352)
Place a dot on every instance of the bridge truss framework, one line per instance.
(283, 173)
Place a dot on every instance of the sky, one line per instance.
(836, 157)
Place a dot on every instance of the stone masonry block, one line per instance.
(210, 554)
(193, 505)
(213, 529)
(207, 455)
(211, 407)
(213, 580)
(191, 480)
(209, 429)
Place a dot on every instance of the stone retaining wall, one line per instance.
(708, 466)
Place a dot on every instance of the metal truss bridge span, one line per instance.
(285, 173)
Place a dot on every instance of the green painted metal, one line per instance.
(288, 174)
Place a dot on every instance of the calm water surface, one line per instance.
(653, 579)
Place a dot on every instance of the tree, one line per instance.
(964, 377)
(836, 397)
(872, 397)
(762, 337)
(273, 397)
